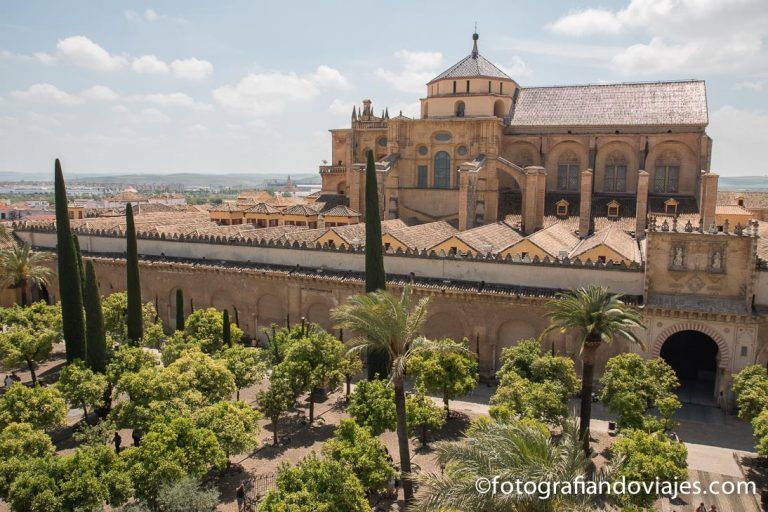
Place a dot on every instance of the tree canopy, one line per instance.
(449, 369)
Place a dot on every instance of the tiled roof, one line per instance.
(751, 199)
(731, 209)
(256, 195)
(627, 104)
(472, 66)
(341, 211)
(555, 238)
(262, 208)
(356, 232)
(424, 236)
(226, 207)
(492, 238)
(614, 238)
(301, 209)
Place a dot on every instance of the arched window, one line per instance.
(568, 172)
(460, 109)
(615, 173)
(442, 170)
(498, 108)
(666, 177)
(523, 158)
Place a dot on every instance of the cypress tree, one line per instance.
(227, 329)
(79, 256)
(133, 285)
(94, 323)
(179, 310)
(375, 278)
(70, 288)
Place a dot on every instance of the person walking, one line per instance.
(701, 507)
(240, 498)
(118, 441)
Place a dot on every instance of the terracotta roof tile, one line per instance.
(424, 236)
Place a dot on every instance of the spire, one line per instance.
(475, 37)
(354, 113)
(386, 113)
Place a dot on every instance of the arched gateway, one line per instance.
(698, 355)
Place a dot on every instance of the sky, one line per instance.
(253, 86)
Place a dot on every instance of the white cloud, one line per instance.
(755, 85)
(192, 68)
(197, 129)
(47, 93)
(152, 115)
(416, 69)
(270, 92)
(173, 99)
(412, 109)
(341, 107)
(739, 136)
(99, 92)
(44, 58)
(83, 52)
(149, 64)
(151, 16)
(517, 68)
(685, 35)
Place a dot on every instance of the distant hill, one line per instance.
(189, 179)
(756, 183)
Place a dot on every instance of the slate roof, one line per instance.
(624, 104)
(471, 66)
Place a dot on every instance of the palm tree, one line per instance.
(598, 315)
(510, 451)
(390, 325)
(19, 266)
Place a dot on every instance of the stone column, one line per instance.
(585, 207)
(541, 197)
(467, 185)
(708, 198)
(641, 208)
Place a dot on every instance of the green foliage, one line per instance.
(171, 451)
(449, 369)
(179, 310)
(226, 329)
(82, 387)
(70, 290)
(199, 372)
(96, 340)
(206, 328)
(23, 346)
(20, 267)
(276, 399)
(648, 456)
(187, 495)
(127, 359)
(315, 485)
(751, 388)
(760, 427)
(279, 341)
(115, 306)
(20, 443)
(43, 408)
(355, 447)
(533, 384)
(134, 321)
(246, 365)
(631, 385)
(235, 425)
(423, 415)
(36, 317)
(372, 405)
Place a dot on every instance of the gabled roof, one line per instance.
(341, 211)
(226, 207)
(424, 236)
(262, 208)
(492, 238)
(555, 238)
(473, 65)
(356, 232)
(615, 239)
(301, 209)
(625, 104)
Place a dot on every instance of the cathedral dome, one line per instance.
(473, 65)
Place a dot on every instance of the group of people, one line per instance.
(703, 508)
(10, 379)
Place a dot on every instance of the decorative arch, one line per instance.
(512, 331)
(498, 108)
(341, 188)
(445, 324)
(270, 309)
(320, 314)
(722, 345)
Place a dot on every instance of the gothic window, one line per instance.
(568, 172)
(459, 109)
(615, 173)
(667, 175)
(422, 176)
(442, 170)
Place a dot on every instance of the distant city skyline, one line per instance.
(245, 87)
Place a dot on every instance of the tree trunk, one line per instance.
(402, 440)
(424, 435)
(237, 395)
(445, 404)
(311, 405)
(274, 431)
(23, 290)
(31, 366)
(85, 414)
(587, 377)
(349, 384)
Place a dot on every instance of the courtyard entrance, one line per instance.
(694, 357)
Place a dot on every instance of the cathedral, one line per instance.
(486, 148)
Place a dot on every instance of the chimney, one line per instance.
(641, 208)
(585, 208)
(708, 198)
